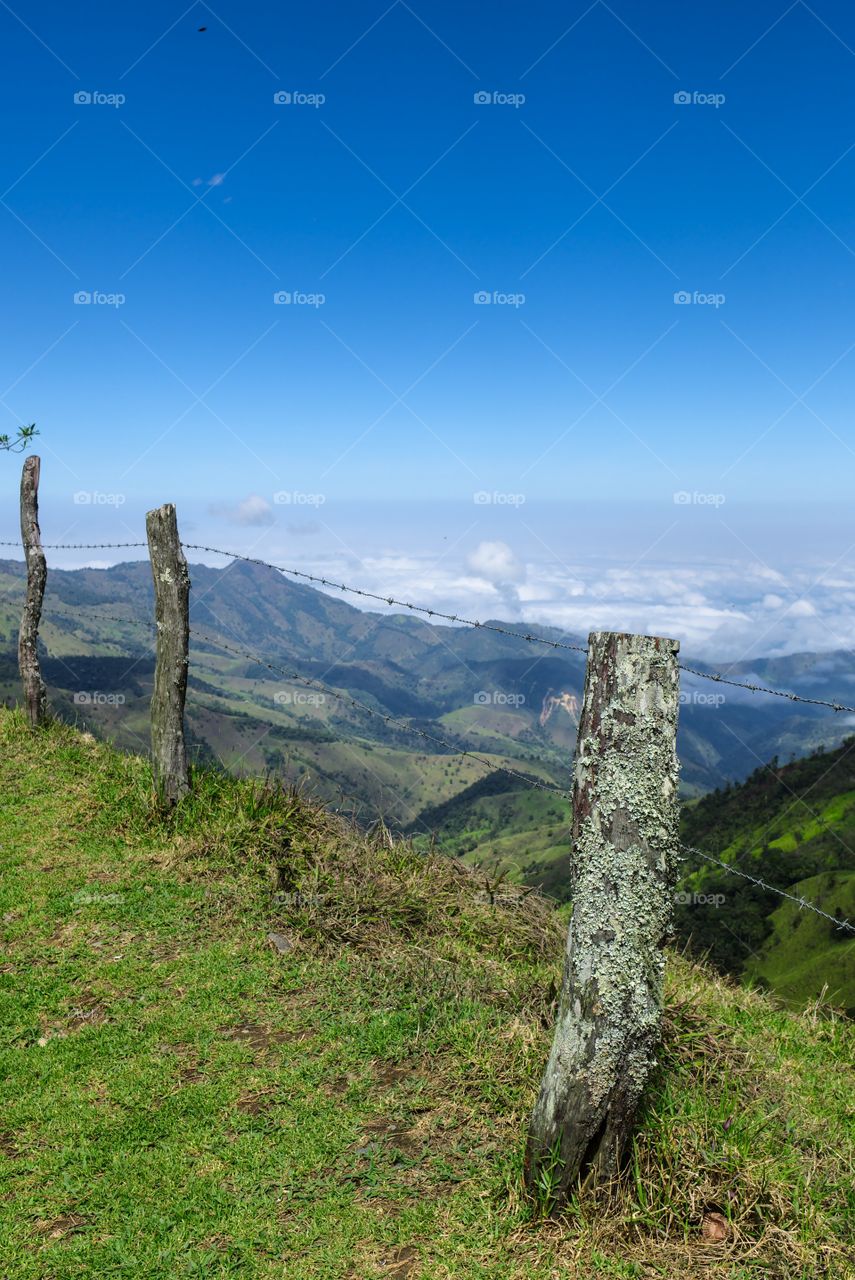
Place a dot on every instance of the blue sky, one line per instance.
(580, 197)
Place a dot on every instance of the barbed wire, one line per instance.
(529, 637)
(761, 688)
(112, 617)
(769, 888)
(390, 600)
(324, 582)
(52, 611)
(320, 687)
(78, 546)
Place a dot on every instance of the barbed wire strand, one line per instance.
(78, 546)
(770, 888)
(505, 631)
(389, 600)
(529, 637)
(761, 688)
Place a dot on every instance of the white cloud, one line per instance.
(496, 562)
(253, 511)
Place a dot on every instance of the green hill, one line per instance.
(794, 827)
(250, 1040)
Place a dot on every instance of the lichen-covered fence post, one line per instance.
(172, 615)
(35, 694)
(623, 873)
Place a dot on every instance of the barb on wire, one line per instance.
(770, 888)
(379, 715)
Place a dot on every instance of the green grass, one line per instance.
(183, 1101)
(805, 953)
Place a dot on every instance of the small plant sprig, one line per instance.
(549, 1180)
(19, 442)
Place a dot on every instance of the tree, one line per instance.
(20, 442)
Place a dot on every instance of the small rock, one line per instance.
(280, 943)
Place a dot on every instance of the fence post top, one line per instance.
(629, 640)
(167, 510)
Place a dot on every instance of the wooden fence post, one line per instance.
(172, 615)
(623, 870)
(35, 694)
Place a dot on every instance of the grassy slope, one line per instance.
(184, 1101)
(507, 830)
(794, 826)
(805, 954)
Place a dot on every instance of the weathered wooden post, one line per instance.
(623, 872)
(35, 694)
(172, 615)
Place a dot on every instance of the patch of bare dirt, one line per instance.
(60, 1228)
(255, 1104)
(8, 1145)
(261, 1038)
